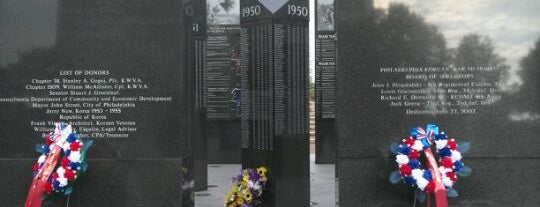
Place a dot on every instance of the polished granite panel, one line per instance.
(129, 182)
(132, 183)
(18, 174)
(223, 140)
(138, 45)
(493, 183)
(275, 105)
(115, 36)
(366, 125)
(325, 142)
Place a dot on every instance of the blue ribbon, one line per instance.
(432, 127)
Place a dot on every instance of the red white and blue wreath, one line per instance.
(440, 176)
(62, 145)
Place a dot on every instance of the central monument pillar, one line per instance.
(274, 97)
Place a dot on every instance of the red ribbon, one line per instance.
(440, 190)
(37, 189)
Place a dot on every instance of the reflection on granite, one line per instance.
(139, 40)
(494, 182)
(503, 129)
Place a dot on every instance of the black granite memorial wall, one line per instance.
(195, 28)
(325, 83)
(222, 80)
(114, 70)
(275, 77)
(403, 66)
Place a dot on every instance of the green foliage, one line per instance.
(530, 76)
(476, 50)
(413, 41)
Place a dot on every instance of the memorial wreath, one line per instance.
(248, 188)
(440, 176)
(51, 176)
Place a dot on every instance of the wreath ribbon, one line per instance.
(49, 174)
(427, 136)
(440, 176)
(37, 188)
(440, 190)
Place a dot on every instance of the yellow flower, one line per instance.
(245, 178)
(246, 194)
(228, 197)
(262, 172)
(240, 194)
(240, 201)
